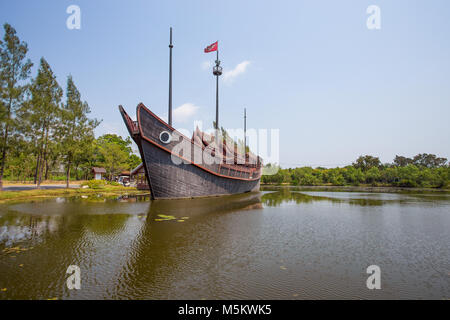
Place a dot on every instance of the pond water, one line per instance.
(281, 243)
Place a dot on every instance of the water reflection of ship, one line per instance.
(168, 250)
(201, 206)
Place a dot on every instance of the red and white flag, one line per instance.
(212, 47)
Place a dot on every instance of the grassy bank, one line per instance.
(49, 193)
(44, 183)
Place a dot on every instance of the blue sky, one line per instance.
(312, 69)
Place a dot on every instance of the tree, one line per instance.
(134, 161)
(367, 162)
(44, 112)
(76, 131)
(373, 175)
(428, 160)
(20, 163)
(114, 158)
(114, 153)
(402, 161)
(87, 160)
(14, 70)
(353, 176)
(125, 144)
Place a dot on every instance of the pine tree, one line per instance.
(44, 113)
(14, 71)
(76, 132)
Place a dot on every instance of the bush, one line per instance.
(308, 180)
(408, 183)
(95, 184)
(337, 180)
(373, 175)
(353, 176)
(113, 183)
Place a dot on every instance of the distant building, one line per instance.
(98, 173)
(124, 178)
(138, 175)
(125, 174)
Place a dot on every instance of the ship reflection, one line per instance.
(198, 207)
(117, 241)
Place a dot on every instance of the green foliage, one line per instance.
(401, 161)
(366, 162)
(42, 114)
(113, 154)
(124, 144)
(76, 130)
(14, 71)
(134, 161)
(353, 176)
(421, 160)
(367, 170)
(43, 137)
(96, 184)
(428, 160)
(373, 175)
(272, 173)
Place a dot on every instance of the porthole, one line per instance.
(165, 137)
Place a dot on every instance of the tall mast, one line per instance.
(170, 78)
(245, 131)
(217, 71)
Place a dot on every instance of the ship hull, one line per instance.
(170, 181)
(174, 175)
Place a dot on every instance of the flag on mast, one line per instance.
(212, 47)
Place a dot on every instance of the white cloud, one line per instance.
(206, 65)
(230, 75)
(184, 112)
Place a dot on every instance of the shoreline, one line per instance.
(385, 189)
(24, 195)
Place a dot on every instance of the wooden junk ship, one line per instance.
(180, 167)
